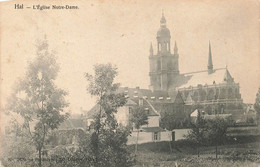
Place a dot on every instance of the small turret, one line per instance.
(151, 50)
(175, 48)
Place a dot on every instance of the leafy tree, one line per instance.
(216, 130)
(257, 104)
(37, 100)
(197, 132)
(108, 141)
(139, 117)
(172, 119)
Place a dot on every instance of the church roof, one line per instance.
(218, 76)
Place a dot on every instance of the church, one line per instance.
(213, 90)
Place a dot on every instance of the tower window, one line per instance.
(158, 65)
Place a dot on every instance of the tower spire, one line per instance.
(210, 64)
(163, 20)
(151, 49)
(175, 48)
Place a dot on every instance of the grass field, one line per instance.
(185, 154)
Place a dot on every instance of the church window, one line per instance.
(211, 95)
(202, 95)
(169, 64)
(230, 93)
(195, 96)
(222, 94)
(158, 65)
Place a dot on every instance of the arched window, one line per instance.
(158, 65)
(195, 96)
(231, 94)
(222, 94)
(211, 94)
(202, 95)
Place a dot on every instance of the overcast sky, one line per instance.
(121, 33)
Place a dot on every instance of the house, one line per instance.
(154, 102)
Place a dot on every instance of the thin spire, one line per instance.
(210, 64)
(175, 48)
(151, 49)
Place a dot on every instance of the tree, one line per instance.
(216, 130)
(37, 100)
(139, 117)
(108, 141)
(172, 119)
(257, 104)
(197, 132)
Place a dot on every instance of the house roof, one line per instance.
(155, 101)
(132, 102)
(219, 76)
(142, 93)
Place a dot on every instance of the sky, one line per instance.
(120, 32)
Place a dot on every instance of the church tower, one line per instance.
(164, 66)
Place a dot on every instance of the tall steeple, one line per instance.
(151, 49)
(210, 64)
(175, 48)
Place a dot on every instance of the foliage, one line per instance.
(107, 144)
(37, 100)
(216, 131)
(173, 119)
(197, 133)
(257, 104)
(138, 117)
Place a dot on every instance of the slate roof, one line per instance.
(141, 93)
(219, 76)
(155, 101)
(132, 102)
